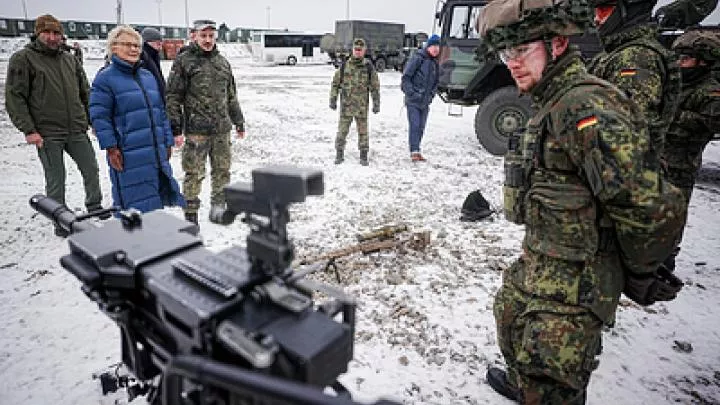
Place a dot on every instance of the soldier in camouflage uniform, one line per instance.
(598, 218)
(698, 115)
(355, 80)
(201, 93)
(636, 62)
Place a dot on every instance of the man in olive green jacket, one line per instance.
(46, 96)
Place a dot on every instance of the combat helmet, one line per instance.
(702, 43)
(507, 23)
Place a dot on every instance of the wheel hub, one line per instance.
(508, 121)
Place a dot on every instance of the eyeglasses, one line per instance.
(519, 52)
(132, 45)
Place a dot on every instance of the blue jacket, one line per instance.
(420, 79)
(127, 112)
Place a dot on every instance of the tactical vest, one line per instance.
(535, 175)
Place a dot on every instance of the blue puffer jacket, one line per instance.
(127, 112)
(420, 79)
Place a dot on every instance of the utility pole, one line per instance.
(119, 12)
(347, 10)
(24, 5)
(187, 21)
(267, 15)
(159, 2)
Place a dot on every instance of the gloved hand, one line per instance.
(169, 152)
(376, 108)
(115, 158)
(333, 105)
(646, 289)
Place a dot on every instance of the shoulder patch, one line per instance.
(628, 72)
(587, 122)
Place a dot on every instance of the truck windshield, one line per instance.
(462, 25)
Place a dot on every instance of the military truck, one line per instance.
(466, 80)
(384, 42)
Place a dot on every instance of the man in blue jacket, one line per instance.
(419, 83)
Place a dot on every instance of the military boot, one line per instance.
(499, 382)
(364, 158)
(191, 217)
(339, 156)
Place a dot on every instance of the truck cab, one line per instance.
(468, 79)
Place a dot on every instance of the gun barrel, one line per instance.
(58, 213)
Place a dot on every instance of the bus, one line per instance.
(289, 48)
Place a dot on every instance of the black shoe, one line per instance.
(61, 232)
(498, 380)
(191, 217)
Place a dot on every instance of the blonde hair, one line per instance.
(119, 30)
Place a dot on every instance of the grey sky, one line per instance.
(305, 15)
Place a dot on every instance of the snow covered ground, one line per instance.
(425, 332)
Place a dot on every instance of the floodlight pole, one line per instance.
(347, 10)
(159, 2)
(24, 5)
(119, 12)
(267, 16)
(187, 21)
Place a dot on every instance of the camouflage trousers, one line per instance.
(194, 157)
(549, 348)
(361, 122)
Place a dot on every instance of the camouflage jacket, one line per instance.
(357, 83)
(201, 92)
(695, 123)
(46, 91)
(641, 67)
(594, 206)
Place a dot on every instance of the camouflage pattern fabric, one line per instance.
(550, 350)
(595, 207)
(696, 122)
(641, 67)
(355, 87)
(361, 122)
(596, 201)
(201, 92)
(194, 157)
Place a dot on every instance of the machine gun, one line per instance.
(234, 327)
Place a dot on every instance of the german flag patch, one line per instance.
(628, 72)
(587, 122)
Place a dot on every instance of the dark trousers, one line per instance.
(80, 149)
(417, 118)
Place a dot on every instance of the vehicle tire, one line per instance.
(498, 116)
(292, 61)
(380, 65)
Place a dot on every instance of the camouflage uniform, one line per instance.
(201, 94)
(355, 82)
(641, 67)
(698, 115)
(581, 180)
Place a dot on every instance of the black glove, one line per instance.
(646, 289)
(333, 104)
(376, 108)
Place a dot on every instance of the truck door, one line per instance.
(458, 62)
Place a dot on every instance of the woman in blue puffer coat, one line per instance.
(128, 116)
